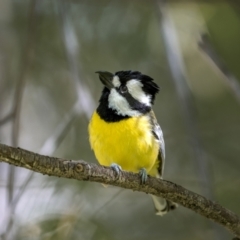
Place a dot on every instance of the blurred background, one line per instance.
(49, 51)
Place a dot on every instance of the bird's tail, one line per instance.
(163, 206)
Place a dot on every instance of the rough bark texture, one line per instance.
(81, 170)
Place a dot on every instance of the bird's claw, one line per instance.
(143, 175)
(117, 168)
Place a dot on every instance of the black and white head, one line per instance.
(126, 94)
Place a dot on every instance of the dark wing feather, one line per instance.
(162, 205)
(158, 134)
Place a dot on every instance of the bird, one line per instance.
(123, 130)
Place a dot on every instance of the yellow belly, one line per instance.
(128, 143)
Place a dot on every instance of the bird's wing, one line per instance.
(158, 134)
(162, 205)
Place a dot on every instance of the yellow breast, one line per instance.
(128, 143)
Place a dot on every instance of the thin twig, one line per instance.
(84, 171)
(27, 54)
(19, 92)
(52, 143)
(232, 81)
(48, 148)
(6, 119)
(25, 63)
(179, 77)
(71, 44)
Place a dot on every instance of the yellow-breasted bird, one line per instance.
(124, 132)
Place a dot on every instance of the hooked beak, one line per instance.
(106, 78)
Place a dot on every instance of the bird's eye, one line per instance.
(123, 89)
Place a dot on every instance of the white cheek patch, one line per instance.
(120, 104)
(135, 89)
(116, 82)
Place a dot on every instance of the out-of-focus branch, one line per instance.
(17, 102)
(179, 78)
(5, 119)
(209, 50)
(84, 171)
(71, 44)
(52, 143)
(48, 148)
(25, 64)
(19, 91)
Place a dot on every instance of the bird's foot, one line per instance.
(143, 175)
(117, 168)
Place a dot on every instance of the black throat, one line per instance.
(108, 114)
(111, 115)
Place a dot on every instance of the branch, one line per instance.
(49, 146)
(72, 47)
(27, 55)
(84, 171)
(5, 119)
(187, 105)
(207, 47)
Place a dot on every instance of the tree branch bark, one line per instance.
(84, 171)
